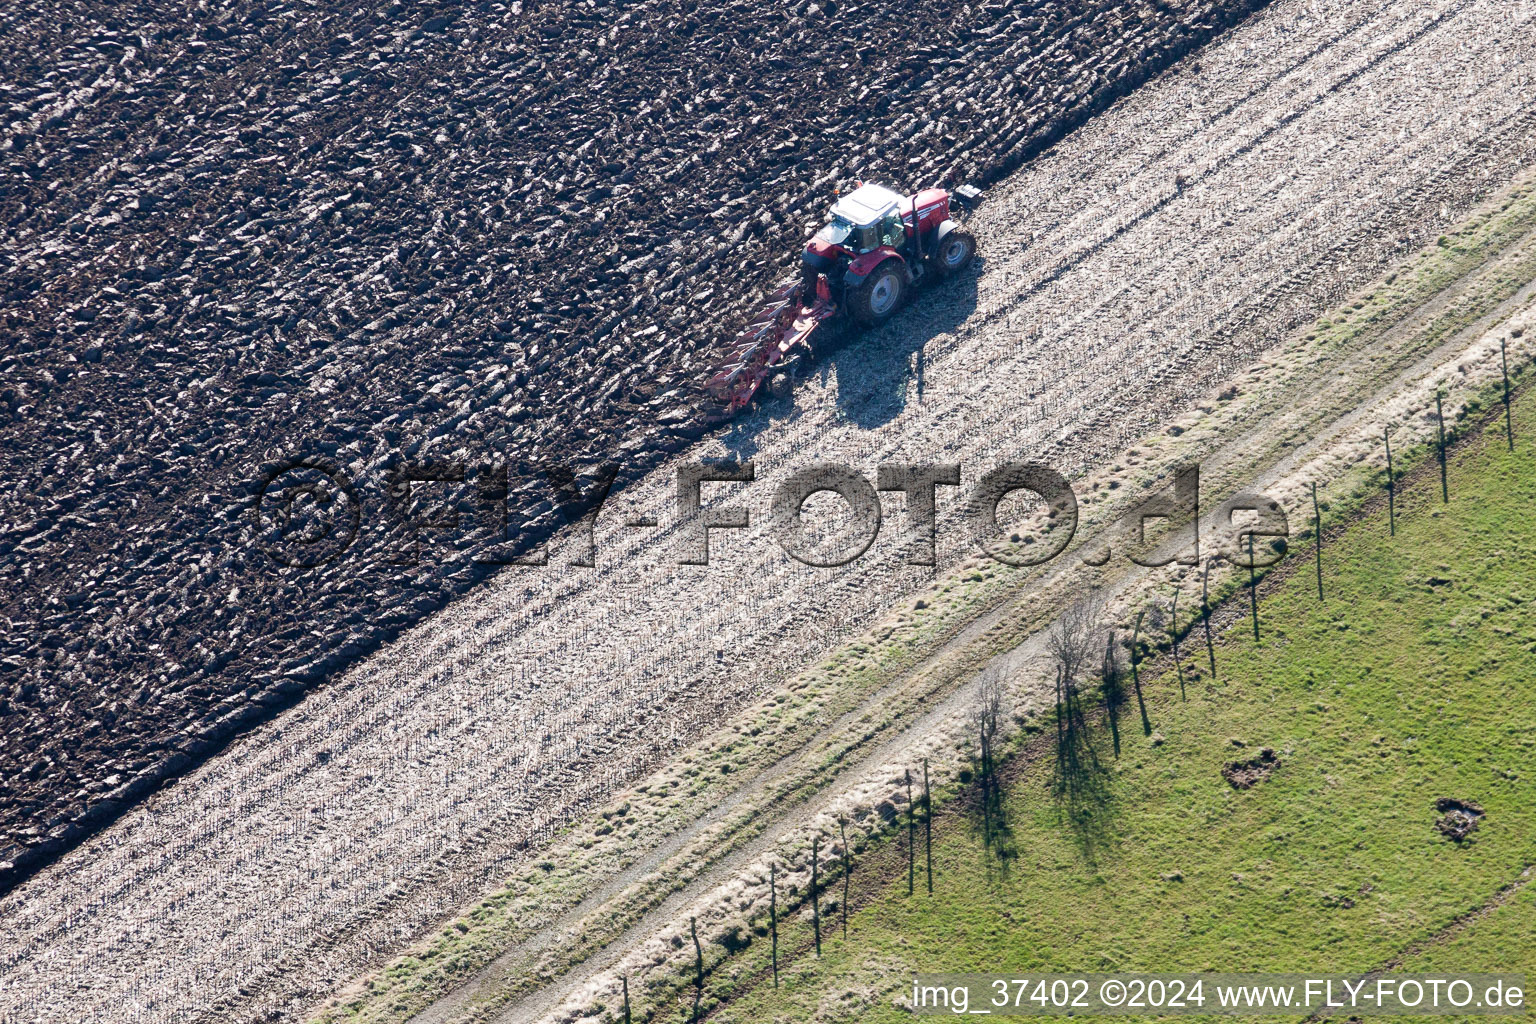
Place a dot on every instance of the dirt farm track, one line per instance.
(1141, 259)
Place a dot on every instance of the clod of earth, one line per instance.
(1249, 773)
(1458, 818)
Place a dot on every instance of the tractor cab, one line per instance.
(876, 245)
(864, 220)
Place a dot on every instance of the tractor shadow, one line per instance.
(878, 371)
(875, 372)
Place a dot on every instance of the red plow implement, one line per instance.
(768, 341)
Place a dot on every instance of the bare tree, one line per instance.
(987, 711)
(1079, 643)
(986, 717)
(1075, 639)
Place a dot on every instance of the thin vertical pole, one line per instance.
(1205, 613)
(847, 873)
(698, 967)
(773, 918)
(626, 1000)
(1509, 424)
(816, 893)
(1109, 673)
(1445, 489)
(986, 800)
(912, 832)
(1173, 637)
(1146, 723)
(1317, 527)
(1386, 436)
(928, 825)
(1253, 588)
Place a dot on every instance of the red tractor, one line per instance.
(872, 251)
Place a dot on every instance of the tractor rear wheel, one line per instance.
(956, 250)
(880, 295)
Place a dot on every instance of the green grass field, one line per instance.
(1414, 680)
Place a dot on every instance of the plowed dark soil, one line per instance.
(511, 231)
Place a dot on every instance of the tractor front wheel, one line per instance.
(880, 295)
(956, 250)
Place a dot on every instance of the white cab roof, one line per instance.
(865, 204)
